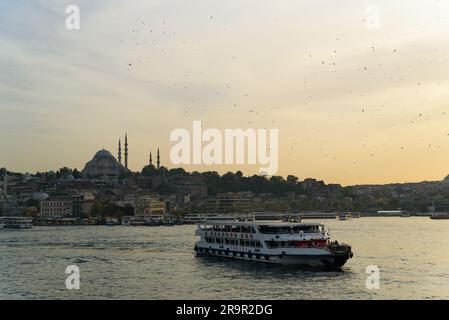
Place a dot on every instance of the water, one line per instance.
(158, 263)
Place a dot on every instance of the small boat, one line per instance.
(137, 221)
(405, 215)
(17, 222)
(126, 220)
(112, 222)
(341, 217)
(302, 244)
(440, 216)
(153, 223)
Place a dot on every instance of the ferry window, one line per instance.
(267, 229)
(235, 229)
(305, 229)
(242, 242)
(253, 230)
(245, 229)
(284, 230)
(272, 244)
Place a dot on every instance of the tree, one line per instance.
(97, 209)
(149, 171)
(77, 174)
(292, 179)
(32, 203)
(63, 172)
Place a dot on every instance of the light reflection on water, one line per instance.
(158, 263)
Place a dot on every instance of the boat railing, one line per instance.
(292, 237)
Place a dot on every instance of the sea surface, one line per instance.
(124, 262)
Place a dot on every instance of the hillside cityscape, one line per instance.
(107, 189)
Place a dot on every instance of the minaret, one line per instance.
(126, 151)
(158, 159)
(151, 159)
(5, 183)
(119, 151)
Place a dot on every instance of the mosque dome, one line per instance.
(102, 164)
(103, 154)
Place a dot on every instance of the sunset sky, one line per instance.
(354, 102)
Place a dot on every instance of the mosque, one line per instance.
(105, 164)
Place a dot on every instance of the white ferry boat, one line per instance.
(17, 222)
(278, 243)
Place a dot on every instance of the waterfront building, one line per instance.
(8, 203)
(147, 205)
(187, 185)
(82, 204)
(57, 207)
(230, 202)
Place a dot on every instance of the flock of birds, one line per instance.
(378, 71)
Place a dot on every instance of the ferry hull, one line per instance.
(440, 217)
(17, 227)
(327, 261)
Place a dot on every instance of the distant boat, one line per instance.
(137, 221)
(126, 221)
(17, 222)
(440, 216)
(342, 217)
(194, 218)
(292, 218)
(405, 215)
(112, 222)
